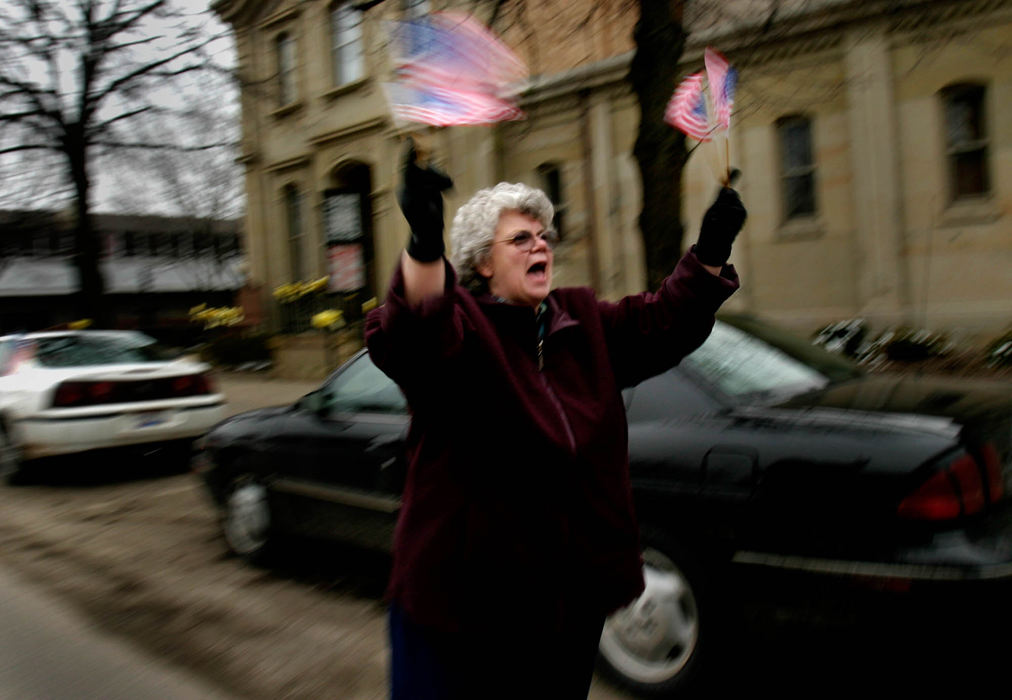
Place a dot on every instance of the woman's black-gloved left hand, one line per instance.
(721, 224)
(421, 200)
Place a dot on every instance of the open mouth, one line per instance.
(538, 269)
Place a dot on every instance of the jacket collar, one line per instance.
(557, 317)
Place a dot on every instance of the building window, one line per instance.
(40, 244)
(293, 217)
(346, 43)
(184, 245)
(966, 141)
(162, 243)
(129, 244)
(551, 183)
(286, 69)
(797, 167)
(415, 9)
(202, 244)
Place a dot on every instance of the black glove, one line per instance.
(421, 200)
(721, 223)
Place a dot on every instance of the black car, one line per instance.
(760, 452)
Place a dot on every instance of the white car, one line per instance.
(64, 392)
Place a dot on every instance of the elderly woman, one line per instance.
(517, 535)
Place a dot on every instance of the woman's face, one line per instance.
(519, 276)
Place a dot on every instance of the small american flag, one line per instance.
(439, 106)
(723, 79)
(687, 110)
(450, 69)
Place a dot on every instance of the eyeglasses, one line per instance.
(524, 240)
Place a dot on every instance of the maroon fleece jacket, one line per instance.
(517, 500)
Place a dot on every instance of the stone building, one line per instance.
(875, 140)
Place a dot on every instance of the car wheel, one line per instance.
(652, 645)
(247, 521)
(11, 471)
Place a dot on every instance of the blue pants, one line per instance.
(556, 664)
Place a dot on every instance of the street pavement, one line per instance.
(48, 650)
(245, 391)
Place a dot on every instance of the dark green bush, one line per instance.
(235, 348)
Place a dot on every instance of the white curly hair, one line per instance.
(474, 225)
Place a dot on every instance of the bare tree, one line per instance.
(659, 150)
(74, 78)
(204, 187)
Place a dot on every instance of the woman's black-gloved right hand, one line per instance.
(721, 224)
(421, 200)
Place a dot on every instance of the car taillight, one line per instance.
(191, 385)
(992, 467)
(206, 384)
(100, 392)
(70, 394)
(956, 490)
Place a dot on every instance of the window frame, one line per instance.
(952, 149)
(295, 230)
(787, 172)
(286, 49)
(551, 182)
(415, 9)
(345, 48)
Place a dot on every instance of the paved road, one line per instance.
(47, 650)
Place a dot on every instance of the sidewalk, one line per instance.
(49, 650)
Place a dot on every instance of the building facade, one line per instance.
(875, 140)
(155, 268)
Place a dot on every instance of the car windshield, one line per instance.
(743, 365)
(97, 349)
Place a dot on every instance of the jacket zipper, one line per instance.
(553, 397)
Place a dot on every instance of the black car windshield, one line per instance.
(97, 349)
(742, 365)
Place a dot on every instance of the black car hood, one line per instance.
(906, 398)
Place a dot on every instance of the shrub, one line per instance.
(236, 349)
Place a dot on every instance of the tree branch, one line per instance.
(103, 126)
(164, 146)
(123, 81)
(27, 147)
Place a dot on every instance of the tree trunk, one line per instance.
(87, 251)
(660, 149)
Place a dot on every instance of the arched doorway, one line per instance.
(348, 237)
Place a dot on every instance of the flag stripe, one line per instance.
(687, 111)
(723, 79)
(440, 107)
(450, 69)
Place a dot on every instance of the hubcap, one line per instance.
(651, 639)
(247, 517)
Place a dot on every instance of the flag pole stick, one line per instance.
(713, 159)
(727, 160)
